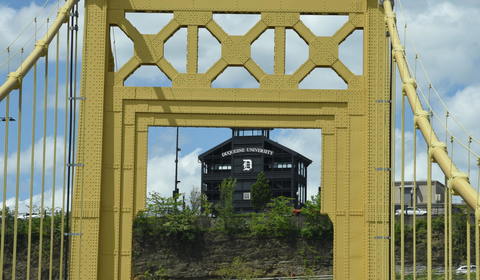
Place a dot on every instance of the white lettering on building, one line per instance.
(248, 150)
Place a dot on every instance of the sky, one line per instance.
(441, 33)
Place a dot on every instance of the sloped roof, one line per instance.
(271, 142)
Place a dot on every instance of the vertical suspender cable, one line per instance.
(429, 197)
(429, 217)
(5, 173)
(386, 177)
(17, 181)
(414, 191)
(450, 264)
(54, 168)
(468, 227)
(477, 230)
(445, 210)
(429, 209)
(44, 151)
(65, 136)
(32, 164)
(75, 76)
(392, 173)
(71, 133)
(414, 202)
(402, 196)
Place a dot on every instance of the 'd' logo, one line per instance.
(247, 165)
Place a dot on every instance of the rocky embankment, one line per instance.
(216, 256)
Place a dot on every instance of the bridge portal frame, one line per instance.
(110, 187)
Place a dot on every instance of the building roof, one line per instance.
(271, 142)
(419, 182)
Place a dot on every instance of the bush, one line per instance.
(169, 217)
(316, 225)
(227, 221)
(261, 193)
(276, 221)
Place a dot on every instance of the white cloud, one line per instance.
(445, 33)
(17, 29)
(161, 173)
(24, 204)
(25, 157)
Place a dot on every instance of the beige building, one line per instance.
(438, 195)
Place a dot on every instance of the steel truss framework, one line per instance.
(111, 184)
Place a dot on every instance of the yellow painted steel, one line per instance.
(110, 182)
(114, 121)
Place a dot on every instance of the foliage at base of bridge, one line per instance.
(179, 221)
(459, 250)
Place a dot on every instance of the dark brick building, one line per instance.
(243, 156)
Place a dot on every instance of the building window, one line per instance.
(222, 167)
(282, 165)
(246, 196)
(438, 197)
(301, 169)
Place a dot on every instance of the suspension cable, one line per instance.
(392, 173)
(450, 244)
(5, 180)
(12, 81)
(17, 181)
(72, 110)
(477, 225)
(414, 202)
(32, 164)
(402, 195)
(65, 136)
(5, 175)
(44, 151)
(54, 168)
(468, 225)
(74, 145)
(446, 203)
(429, 80)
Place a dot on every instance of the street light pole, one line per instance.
(177, 149)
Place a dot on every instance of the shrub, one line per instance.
(276, 221)
(316, 225)
(261, 193)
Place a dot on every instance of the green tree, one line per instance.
(315, 225)
(225, 205)
(261, 193)
(276, 221)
